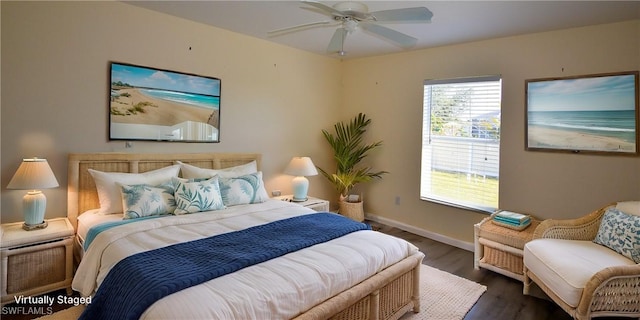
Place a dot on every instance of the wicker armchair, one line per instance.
(614, 290)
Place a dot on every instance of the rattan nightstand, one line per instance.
(500, 249)
(38, 261)
(316, 204)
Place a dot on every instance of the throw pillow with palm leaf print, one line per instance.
(244, 189)
(198, 196)
(142, 200)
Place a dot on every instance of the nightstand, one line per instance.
(500, 249)
(316, 204)
(38, 261)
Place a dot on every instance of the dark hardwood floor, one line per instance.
(503, 299)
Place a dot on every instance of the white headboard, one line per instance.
(81, 191)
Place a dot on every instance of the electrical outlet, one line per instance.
(276, 193)
(397, 200)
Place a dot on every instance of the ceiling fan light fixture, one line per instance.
(352, 16)
(350, 25)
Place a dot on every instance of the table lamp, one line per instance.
(301, 167)
(31, 175)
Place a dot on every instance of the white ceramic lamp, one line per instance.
(300, 167)
(33, 174)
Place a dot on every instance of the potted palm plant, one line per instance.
(349, 149)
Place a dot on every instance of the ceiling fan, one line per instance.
(351, 15)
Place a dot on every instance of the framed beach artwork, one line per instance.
(583, 114)
(162, 105)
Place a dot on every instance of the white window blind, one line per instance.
(461, 142)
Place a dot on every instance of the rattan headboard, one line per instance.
(81, 191)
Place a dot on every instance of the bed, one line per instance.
(358, 275)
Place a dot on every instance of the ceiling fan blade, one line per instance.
(337, 41)
(329, 10)
(417, 14)
(398, 38)
(296, 28)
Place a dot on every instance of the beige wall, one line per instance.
(548, 185)
(275, 100)
(55, 55)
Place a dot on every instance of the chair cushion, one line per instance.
(565, 266)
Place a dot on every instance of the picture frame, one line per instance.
(593, 114)
(155, 104)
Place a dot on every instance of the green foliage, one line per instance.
(121, 84)
(349, 149)
(139, 107)
(116, 112)
(446, 107)
(448, 185)
(448, 117)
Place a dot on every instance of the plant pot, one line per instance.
(352, 210)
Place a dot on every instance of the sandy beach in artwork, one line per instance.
(154, 111)
(543, 137)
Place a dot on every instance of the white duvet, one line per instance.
(280, 288)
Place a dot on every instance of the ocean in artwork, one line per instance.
(619, 124)
(197, 100)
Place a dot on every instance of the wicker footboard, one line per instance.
(386, 295)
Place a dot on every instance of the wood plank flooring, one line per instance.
(503, 299)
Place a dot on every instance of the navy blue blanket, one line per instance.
(137, 281)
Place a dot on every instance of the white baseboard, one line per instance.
(469, 246)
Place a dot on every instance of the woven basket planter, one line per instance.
(352, 210)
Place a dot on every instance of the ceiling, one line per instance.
(453, 21)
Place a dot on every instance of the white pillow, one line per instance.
(108, 185)
(193, 172)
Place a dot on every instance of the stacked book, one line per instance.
(511, 220)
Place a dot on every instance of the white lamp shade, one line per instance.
(301, 166)
(31, 175)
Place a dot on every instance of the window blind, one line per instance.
(461, 142)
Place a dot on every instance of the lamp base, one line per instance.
(300, 186)
(34, 204)
(30, 227)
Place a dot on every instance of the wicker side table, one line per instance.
(500, 249)
(38, 261)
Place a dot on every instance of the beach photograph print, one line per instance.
(592, 114)
(161, 105)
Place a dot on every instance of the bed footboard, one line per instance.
(388, 294)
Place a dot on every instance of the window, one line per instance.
(461, 142)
